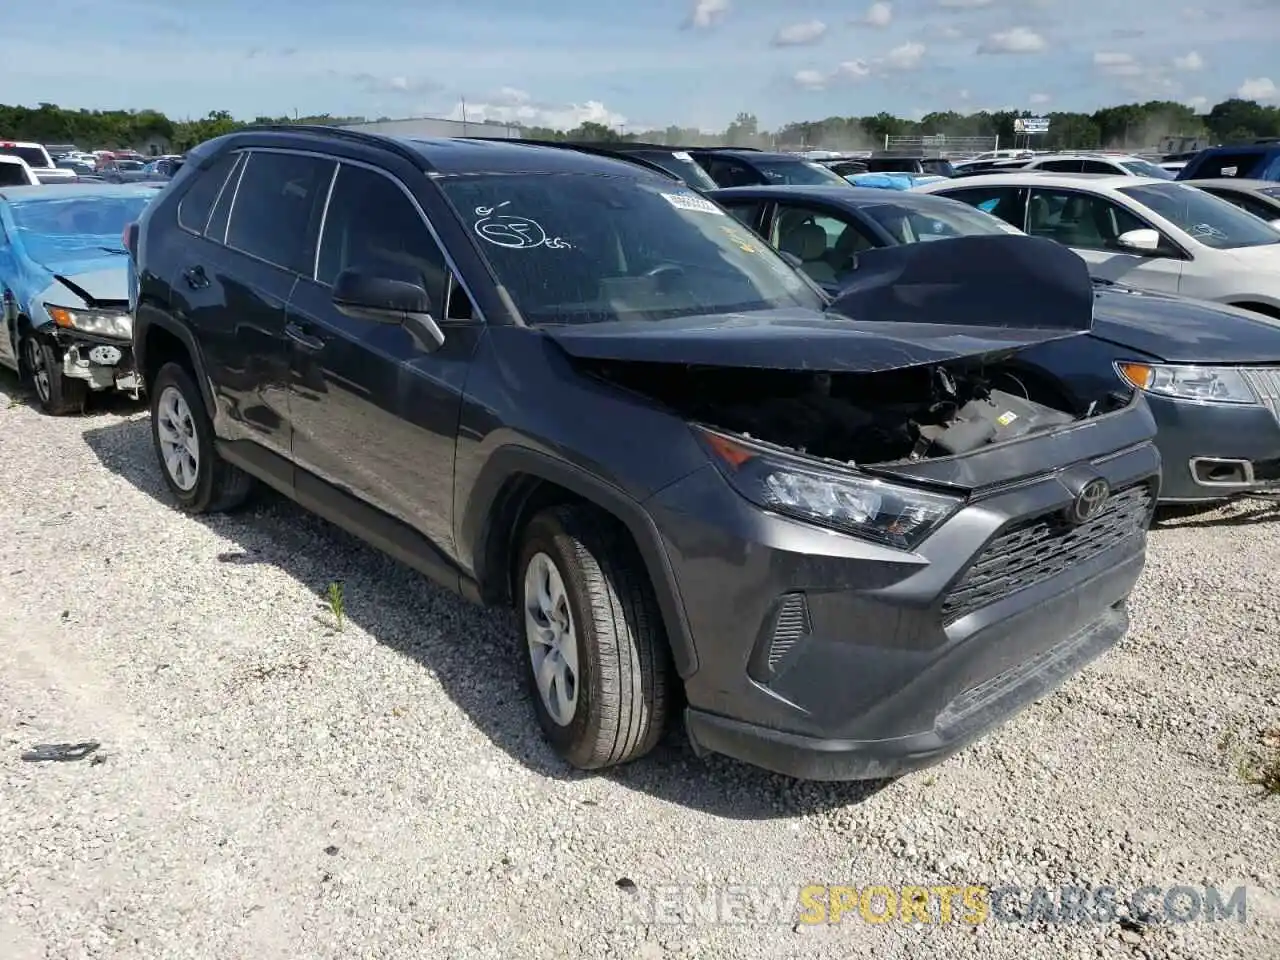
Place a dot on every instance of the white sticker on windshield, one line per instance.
(514, 232)
(681, 155)
(689, 201)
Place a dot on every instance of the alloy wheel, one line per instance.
(176, 431)
(552, 638)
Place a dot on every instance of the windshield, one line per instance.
(915, 223)
(1142, 168)
(33, 155)
(803, 173)
(69, 229)
(574, 248)
(682, 165)
(1204, 217)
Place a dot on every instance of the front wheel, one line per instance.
(596, 655)
(58, 394)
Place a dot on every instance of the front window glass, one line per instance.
(802, 173)
(575, 248)
(1206, 218)
(69, 229)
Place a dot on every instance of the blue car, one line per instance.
(1210, 373)
(64, 282)
(892, 181)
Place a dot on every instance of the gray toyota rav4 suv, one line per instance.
(564, 382)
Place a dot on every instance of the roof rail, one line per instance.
(342, 133)
(597, 149)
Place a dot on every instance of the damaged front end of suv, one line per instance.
(885, 554)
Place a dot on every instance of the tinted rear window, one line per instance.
(12, 175)
(33, 155)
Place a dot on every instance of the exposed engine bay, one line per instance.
(909, 414)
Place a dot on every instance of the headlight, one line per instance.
(832, 496)
(1219, 384)
(107, 323)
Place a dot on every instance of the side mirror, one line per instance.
(382, 299)
(1140, 241)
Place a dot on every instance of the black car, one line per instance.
(1211, 372)
(567, 383)
(890, 162)
(739, 167)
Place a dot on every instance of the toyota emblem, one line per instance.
(1089, 501)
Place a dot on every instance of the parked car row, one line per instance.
(851, 475)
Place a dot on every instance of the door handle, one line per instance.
(195, 277)
(303, 339)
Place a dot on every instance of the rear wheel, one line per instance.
(58, 394)
(199, 479)
(596, 655)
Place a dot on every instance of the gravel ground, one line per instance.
(271, 786)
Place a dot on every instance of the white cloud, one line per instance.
(811, 79)
(1013, 40)
(1117, 64)
(1036, 99)
(905, 57)
(1197, 103)
(1259, 88)
(707, 13)
(510, 105)
(854, 69)
(800, 34)
(963, 94)
(1190, 63)
(963, 4)
(879, 15)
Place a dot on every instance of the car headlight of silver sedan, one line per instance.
(106, 323)
(1181, 382)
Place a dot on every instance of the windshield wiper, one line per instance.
(1103, 281)
(115, 250)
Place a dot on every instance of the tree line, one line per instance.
(1133, 126)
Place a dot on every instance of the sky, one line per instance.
(634, 66)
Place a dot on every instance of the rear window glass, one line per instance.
(1228, 165)
(33, 155)
(12, 175)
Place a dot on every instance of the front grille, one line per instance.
(1032, 551)
(791, 625)
(1265, 383)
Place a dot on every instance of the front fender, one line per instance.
(148, 316)
(490, 506)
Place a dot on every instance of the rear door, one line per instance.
(235, 283)
(374, 415)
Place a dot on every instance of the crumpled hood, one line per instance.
(911, 305)
(100, 280)
(1180, 330)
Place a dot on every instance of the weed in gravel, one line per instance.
(1258, 764)
(333, 596)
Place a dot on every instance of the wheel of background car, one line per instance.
(595, 653)
(58, 394)
(199, 479)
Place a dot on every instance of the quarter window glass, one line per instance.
(1079, 219)
(198, 201)
(372, 226)
(744, 212)
(1004, 202)
(274, 204)
(217, 229)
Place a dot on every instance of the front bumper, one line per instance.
(1214, 451)
(826, 657)
(104, 362)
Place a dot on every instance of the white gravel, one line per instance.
(270, 786)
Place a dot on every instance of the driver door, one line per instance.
(375, 416)
(1090, 225)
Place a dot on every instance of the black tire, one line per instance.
(218, 485)
(40, 361)
(624, 663)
